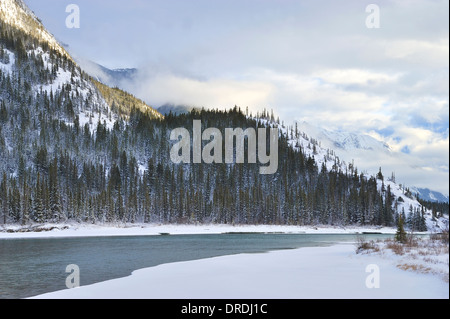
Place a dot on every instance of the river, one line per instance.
(30, 267)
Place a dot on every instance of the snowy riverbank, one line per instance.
(316, 272)
(335, 272)
(87, 230)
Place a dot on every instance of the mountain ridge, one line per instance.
(16, 13)
(67, 153)
(430, 195)
(110, 77)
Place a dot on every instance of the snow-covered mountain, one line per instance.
(368, 153)
(405, 199)
(344, 141)
(73, 148)
(110, 77)
(17, 14)
(430, 195)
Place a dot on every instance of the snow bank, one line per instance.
(326, 272)
(86, 230)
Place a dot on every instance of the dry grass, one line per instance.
(415, 267)
(412, 241)
(362, 245)
(431, 260)
(397, 247)
(418, 254)
(420, 246)
(442, 237)
(425, 269)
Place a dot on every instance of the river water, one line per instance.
(30, 267)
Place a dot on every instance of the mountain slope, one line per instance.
(430, 195)
(123, 103)
(74, 149)
(404, 200)
(346, 141)
(112, 78)
(368, 152)
(16, 14)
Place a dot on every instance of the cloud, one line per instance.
(93, 69)
(214, 93)
(430, 53)
(355, 76)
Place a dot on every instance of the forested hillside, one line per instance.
(72, 149)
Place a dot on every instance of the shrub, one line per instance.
(396, 247)
(442, 237)
(362, 244)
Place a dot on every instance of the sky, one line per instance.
(314, 61)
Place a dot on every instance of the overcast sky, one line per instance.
(313, 61)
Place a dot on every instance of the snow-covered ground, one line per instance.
(420, 255)
(85, 230)
(319, 272)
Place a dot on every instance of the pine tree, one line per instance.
(38, 207)
(422, 222)
(54, 197)
(4, 198)
(380, 175)
(400, 235)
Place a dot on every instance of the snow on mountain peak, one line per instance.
(16, 13)
(347, 141)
